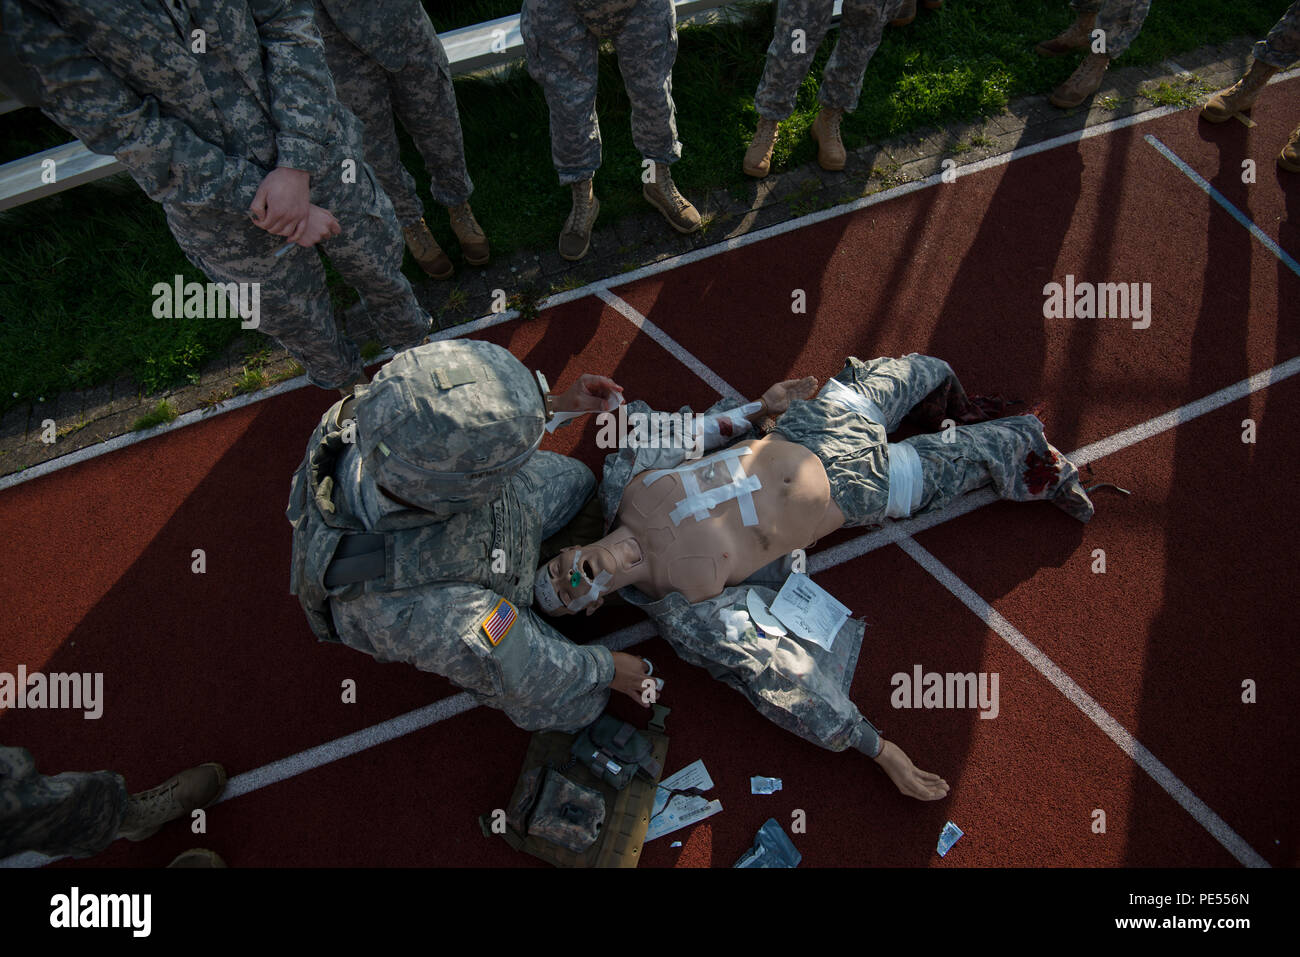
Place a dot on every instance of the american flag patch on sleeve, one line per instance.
(498, 623)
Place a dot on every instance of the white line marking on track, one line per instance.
(715, 381)
(1223, 201)
(1176, 789)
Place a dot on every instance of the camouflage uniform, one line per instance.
(796, 684)
(442, 582)
(387, 56)
(200, 131)
(861, 26)
(1120, 20)
(1281, 48)
(75, 813)
(562, 43)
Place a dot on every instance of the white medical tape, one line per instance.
(560, 418)
(698, 503)
(843, 396)
(904, 480)
(597, 586)
(544, 592)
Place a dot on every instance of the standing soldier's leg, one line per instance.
(71, 813)
(1119, 21)
(293, 303)
(562, 56)
(647, 49)
(426, 105)
(1277, 51)
(368, 255)
(363, 87)
(798, 32)
(861, 26)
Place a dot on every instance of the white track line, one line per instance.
(611, 282)
(718, 384)
(1176, 789)
(1223, 201)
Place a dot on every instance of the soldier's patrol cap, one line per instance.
(445, 425)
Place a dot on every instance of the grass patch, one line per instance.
(79, 267)
(162, 412)
(1184, 93)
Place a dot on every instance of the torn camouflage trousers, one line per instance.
(75, 813)
(562, 46)
(1120, 20)
(790, 54)
(1010, 454)
(295, 306)
(425, 101)
(1281, 48)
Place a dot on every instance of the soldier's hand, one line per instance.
(319, 225)
(629, 673)
(778, 398)
(281, 203)
(588, 394)
(907, 777)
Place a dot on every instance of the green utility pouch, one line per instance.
(553, 808)
(614, 751)
(537, 821)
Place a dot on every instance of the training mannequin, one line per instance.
(682, 535)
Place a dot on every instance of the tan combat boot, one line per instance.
(830, 148)
(662, 194)
(1083, 82)
(1077, 36)
(176, 797)
(575, 240)
(1289, 158)
(906, 13)
(426, 251)
(1239, 97)
(758, 158)
(470, 235)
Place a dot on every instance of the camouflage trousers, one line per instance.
(295, 306)
(1120, 20)
(1281, 48)
(563, 51)
(791, 53)
(1011, 454)
(75, 813)
(425, 101)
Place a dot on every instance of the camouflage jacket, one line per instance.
(452, 613)
(198, 118)
(387, 31)
(794, 683)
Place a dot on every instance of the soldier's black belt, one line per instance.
(358, 558)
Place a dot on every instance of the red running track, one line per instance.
(1197, 595)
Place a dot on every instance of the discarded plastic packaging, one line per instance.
(675, 844)
(772, 848)
(948, 838)
(758, 785)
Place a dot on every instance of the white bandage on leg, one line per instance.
(905, 480)
(699, 503)
(837, 392)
